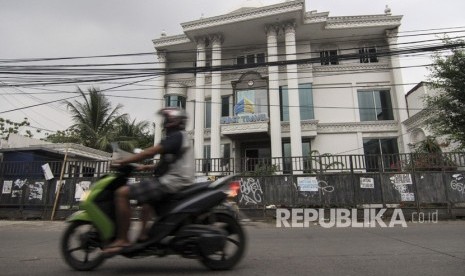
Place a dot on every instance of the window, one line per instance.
(175, 101)
(240, 60)
(305, 102)
(382, 152)
(329, 57)
(208, 113)
(250, 59)
(375, 105)
(225, 106)
(368, 54)
(287, 154)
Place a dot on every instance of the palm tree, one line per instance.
(132, 134)
(95, 118)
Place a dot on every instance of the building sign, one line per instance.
(307, 184)
(245, 119)
(367, 183)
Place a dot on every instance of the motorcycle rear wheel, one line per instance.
(234, 247)
(81, 246)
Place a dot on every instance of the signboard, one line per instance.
(407, 196)
(47, 172)
(7, 184)
(307, 184)
(401, 179)
(367, 183)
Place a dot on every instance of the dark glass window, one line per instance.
(175, 101)
(305, 101)
(208, 113)
(261, 58)
(375, 105)
(380, 152)
(250, 59)
(240, 60)
(329, 57)
(368, 54)
(225, 106)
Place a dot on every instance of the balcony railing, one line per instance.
(287, 165)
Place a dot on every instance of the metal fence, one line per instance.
(326, 181)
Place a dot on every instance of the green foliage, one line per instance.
(8, 127)
(97, 124)
(262, 169)
(447, 108)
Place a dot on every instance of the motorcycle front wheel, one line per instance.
(234, 248)
(81, 246)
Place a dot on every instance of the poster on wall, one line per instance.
(407, 196)
(47, 171)
(401, 179)
(18, 184)
(36, 190)
(81, 188)
(307, 184)
(58, 184)
(367, 183)
(7, 184)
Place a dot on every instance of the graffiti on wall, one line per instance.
(17, 190)
(457, 183)
(251, 191)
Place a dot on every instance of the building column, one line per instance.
(273, 96)
(398, 92)
(199, 101)
(293, 92)
(159, 95)
(215, 130)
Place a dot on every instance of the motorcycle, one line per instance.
(198, 223)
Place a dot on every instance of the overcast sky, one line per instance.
(63, 28)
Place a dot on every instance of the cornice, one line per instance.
(416, 120)
(347, 127)
(345, 22)
(244, 15)
(170, 40)
(350, 67)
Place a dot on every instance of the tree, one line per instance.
(447, 108)
(95, 120)
(8, 127)
(132, 134)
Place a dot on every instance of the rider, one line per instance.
(173, 172)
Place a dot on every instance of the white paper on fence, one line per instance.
(407, 196)
(81, 187)
(307, 184)
(401, 179)
(200, 179)
(47, 172)
(58, 184)
(367, 183)
(7, 184)
(36, 190)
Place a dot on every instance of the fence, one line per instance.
(409, 181)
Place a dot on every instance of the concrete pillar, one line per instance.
(200, 100)
(273, 96)
(159, 95)
(397, 93)
(293, 92)
(215, 130)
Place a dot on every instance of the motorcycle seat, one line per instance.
(193, 189)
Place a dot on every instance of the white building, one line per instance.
(418, 114)
(279, 81)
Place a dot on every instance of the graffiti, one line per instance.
(456, 185)
(325, 187)
(251, 191)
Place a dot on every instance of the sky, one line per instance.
(65, 28)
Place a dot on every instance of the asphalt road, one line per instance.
(31, 248)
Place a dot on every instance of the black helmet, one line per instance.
(173, 118)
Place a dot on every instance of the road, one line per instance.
(31, 248)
